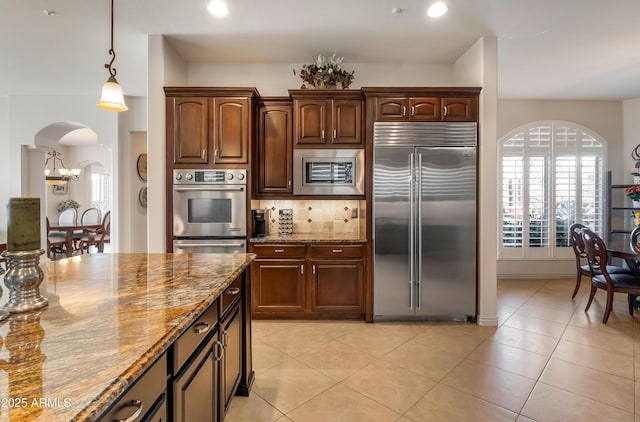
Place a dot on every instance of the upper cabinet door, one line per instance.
(310, 119)
(392, 109)
(346, 122)
(188, 129)
(424, 109)
(460, 109)
(231, 130)
(274, 163)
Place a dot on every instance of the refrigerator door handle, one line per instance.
(419, 254)
(411, 228)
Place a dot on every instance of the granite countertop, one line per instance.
(311, 238)
(109, 317)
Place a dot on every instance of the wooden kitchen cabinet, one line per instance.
(146, 397)
(337, 278)
(274, 163)
(196, 355)
(308, 281)
(208, 127)
(327, 118)
(231, 307)
(188, 140)
(423, 104)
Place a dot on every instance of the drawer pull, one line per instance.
(201, 327)
(133, 403)
(336, 250)
(225, 339)
(218, 351)
(279, 250)
(233, 291)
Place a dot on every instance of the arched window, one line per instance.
(551, 175)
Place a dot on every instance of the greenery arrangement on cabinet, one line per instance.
(325, 72)
(64, 205)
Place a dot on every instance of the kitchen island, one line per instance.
(110, 318)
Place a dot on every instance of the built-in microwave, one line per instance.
(328, 172)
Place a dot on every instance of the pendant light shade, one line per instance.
(112, 98)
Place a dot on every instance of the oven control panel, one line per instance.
(210, 177)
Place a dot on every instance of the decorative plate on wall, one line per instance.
(142, 197)
(142, 166)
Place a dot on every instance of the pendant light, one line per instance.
(112, 98)
(58, 175)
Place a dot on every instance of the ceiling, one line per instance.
(560, 49)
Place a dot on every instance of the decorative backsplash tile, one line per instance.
(317, 216)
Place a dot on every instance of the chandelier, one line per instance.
(58, 175)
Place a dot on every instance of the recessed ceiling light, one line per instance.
(218, 8)
(49, 12)
(437, 9)
(397, 10)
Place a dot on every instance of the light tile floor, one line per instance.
(547, 360)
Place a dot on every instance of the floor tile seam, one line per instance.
(593, 346)
(382, 404)
(596, 369)
(329, 376)
(305, 401)
(546, 364)
(526, 350)
(536, 332)
(270, 404)
(505, 369)
(484, 399)
(585, 397)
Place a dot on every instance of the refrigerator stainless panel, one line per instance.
(391, 207)
(447, 231)
(425, 134)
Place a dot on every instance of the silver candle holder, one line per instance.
(23, 279)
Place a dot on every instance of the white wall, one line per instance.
(602, 117)
(4, 165)
(631, 130)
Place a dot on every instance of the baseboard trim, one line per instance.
(487, 322)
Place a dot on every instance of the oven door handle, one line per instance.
(208, 188)
(199, 245)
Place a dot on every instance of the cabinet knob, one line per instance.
(335, 133)
(446, 111)
(404, 111)
(313, 268)
(322, 134)
(204, 154)
(225, 339)
(413, 111)
(301, 269)
(137, 404)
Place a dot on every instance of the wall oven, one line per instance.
(210, 210)
(328, 172)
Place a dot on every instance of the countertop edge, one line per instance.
(107, 397)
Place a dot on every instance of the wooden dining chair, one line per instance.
(56, 241)
(598, 256)
(582, 265)
(97, 237)
(90, 217)
(68, 217)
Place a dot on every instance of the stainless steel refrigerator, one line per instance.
(424, 220)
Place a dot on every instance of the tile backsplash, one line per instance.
(317, 216)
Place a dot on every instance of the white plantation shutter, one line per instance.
(561, 184)
(100, 189)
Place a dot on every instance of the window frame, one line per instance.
(551, 158)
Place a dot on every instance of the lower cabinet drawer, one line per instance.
(230, 294)
(337, 251)
(188, 342)
(279, 251)
(143, 396)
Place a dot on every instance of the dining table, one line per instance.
(70, 230)
(624, 250)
